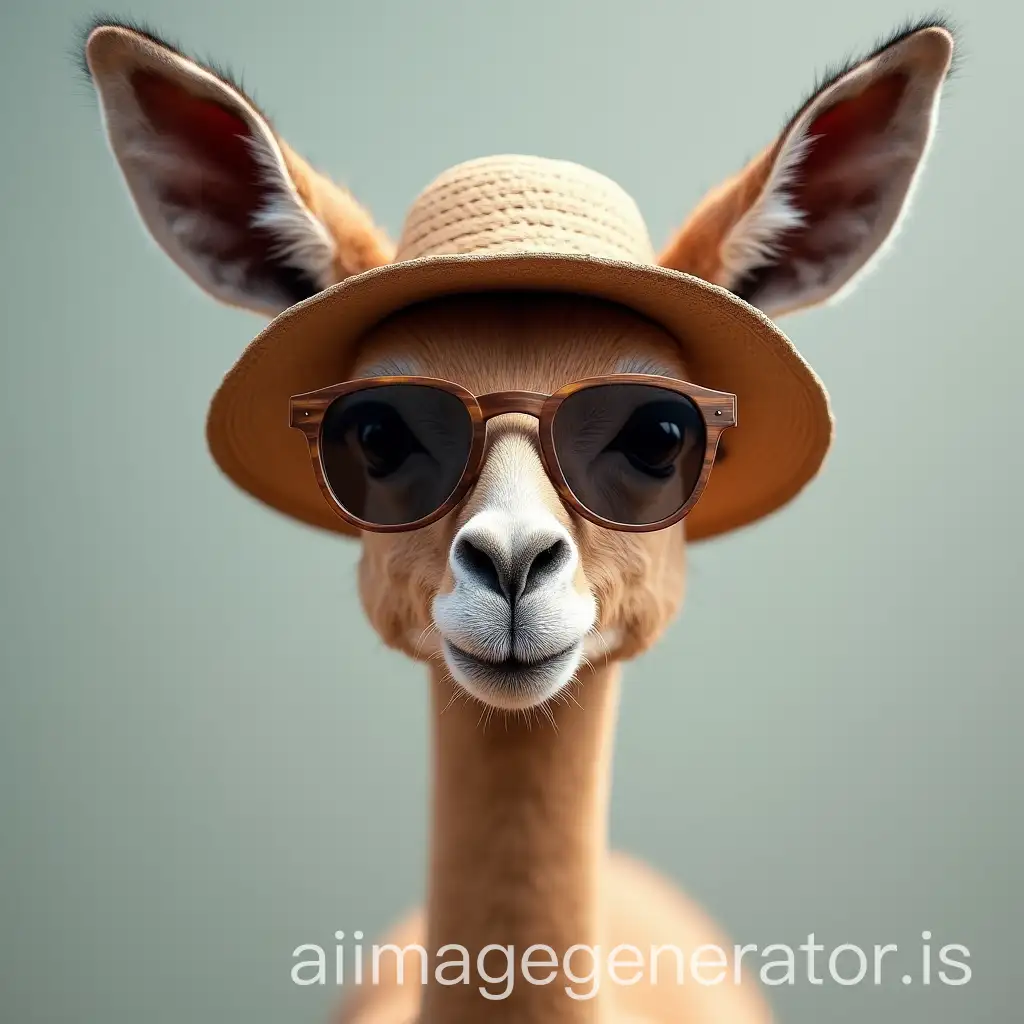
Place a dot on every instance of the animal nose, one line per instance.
(508, 558)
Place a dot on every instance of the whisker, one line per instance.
(601, 637)
(549, 715)
(574, 684)
(430, 628)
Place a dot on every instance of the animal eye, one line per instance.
(384, 439)
(652, 438)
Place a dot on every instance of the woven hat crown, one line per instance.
(508, 204)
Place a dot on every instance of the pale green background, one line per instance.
(207, 758)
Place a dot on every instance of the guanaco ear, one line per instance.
(229, 202)
(806, 218)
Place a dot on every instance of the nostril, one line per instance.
(513, 565)
(479, 564)
(545, 564)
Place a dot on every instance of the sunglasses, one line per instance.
(627, 451)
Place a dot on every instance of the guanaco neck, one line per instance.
(518, 841)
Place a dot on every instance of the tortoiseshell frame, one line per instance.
(717, 407)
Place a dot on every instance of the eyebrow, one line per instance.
(643, 364)
(390, 367)
(403, 367)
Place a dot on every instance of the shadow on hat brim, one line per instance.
(784, 422)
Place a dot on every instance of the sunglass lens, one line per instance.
(630, 453)
(394, 454)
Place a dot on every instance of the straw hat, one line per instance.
(525, 223)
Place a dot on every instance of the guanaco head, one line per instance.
(513, 589)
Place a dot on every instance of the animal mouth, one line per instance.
(512, 683)
(509, 667)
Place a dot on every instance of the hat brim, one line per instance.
(784, 422)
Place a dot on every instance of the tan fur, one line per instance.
(361, 244)
(518, 848)
(696, 247)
